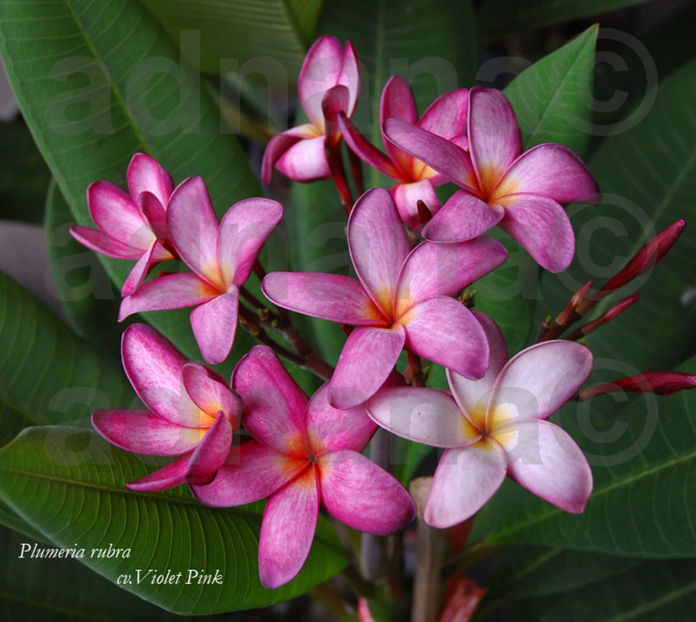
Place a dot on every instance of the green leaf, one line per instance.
(11, 519)
(48, 374)
(648, 178)
(432, 44)
(68, 483)
(62, 590)
(23, 174)
(405, 458)
(230, 34)
(97, 82)
(86, 293)
(653, 591)
(549, 97)
(497, 18)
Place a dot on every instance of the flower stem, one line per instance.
(414, 373)
(338, 174)
(356, 170)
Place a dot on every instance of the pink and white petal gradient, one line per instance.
(462, 217)
(305, 160)
(169, 476)
(145, 174)
(210, 453)
(214, 325)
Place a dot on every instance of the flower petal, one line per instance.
(141, 432)
(210, 393)
(553, 171)
(444, 269)
(211, 452)
(464, 480)
(473, 395)
(328, 296)
(147, 174)
(193, 227)
(541, 378)
(447, 115)
(365, 150)
(287, 530)
(439, 153)
(334, 104)
(367, 359)
(243, 231)
(137, 275)
(494, 135)
(378, 244)
(362, 495)
(168, 476)
(320, 71)
(305, 160)
(543, 228)
(154, 212)
(279, 144)
(115, 213)
(350, 76)
(251, 472)
(397, 102)
(214, 325)
(546, 461)
(423, 415)
(462, 217)
(102, 243)
(406, 197)
(329, 428)
(171, 291)
(153, 367)
(274, 406)
(444, 331)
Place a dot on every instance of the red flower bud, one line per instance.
(660, 382)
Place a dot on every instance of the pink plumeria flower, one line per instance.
(192, 413)
(497, 426)
(446, 117)
(500, 184)
(329, 82)
(400, 299)
(221, 255)
(131, 226)
(304, 454)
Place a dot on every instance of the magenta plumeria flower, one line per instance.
(131, 226)
(500, 184)
(221, 255)
(329, 82)
(497, 426)
(304, 454)
(400, 299)
(446, 117)
(192, 413)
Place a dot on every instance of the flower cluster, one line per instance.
(411, 256)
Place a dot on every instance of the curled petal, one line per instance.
(541, 378)
(444, 331)
(168, 476)
(328, 296)
(305, 160)
(141, 432)
(367, 359)
(102, 243)
(463, 217)
(543, 228)
(447, 115)
(365, 150)
(406, 197)
(333, 105)
(279, 144)
(137, 275)
(154, 212)
(274, 406)
(363, 495)
(211, 452)
(214, 325)
(251, 472)
(397, 102)
(209, 392)
(464, 480)
(145, 174)
(546, 461)
(291, 510)
(423, 415)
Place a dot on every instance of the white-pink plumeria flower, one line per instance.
(496, 426)
(329, 82)
(221, 255)
(523, 192)
(304, 454)
(192, 413)
(445, 117)
(131, 226)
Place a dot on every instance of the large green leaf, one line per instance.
(88, 297)
(228, 34)
(549, 97)
(500, 17)
(652, 591)
(68, 483)
(97, 82)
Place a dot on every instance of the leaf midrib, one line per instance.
(658, 602)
